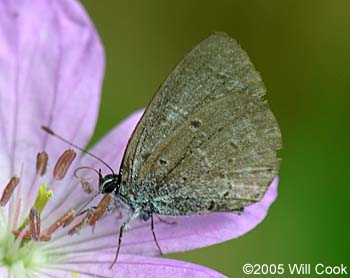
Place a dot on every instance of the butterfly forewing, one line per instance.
(208, 140)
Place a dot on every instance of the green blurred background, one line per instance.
(302, 49)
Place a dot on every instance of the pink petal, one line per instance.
(51, 68)
(97, 265)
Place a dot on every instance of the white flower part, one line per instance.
(19, 254)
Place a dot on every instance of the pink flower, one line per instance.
(51, 69)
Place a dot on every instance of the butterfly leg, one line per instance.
(123, 227)
(86, 210)
(154, 235)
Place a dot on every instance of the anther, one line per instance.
(41, 163)
(100, 209)
(27, 235)
(68, 216)
(34, 224)
(81, 222)
(69, 219)
(8, 191)
(63, 163)
(45, 237)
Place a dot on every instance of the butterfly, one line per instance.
(207, 141)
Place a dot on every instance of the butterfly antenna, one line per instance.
(51, 132)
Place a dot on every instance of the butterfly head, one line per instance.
(109, 184)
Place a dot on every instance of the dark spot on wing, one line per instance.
(145, 156)
(233, 145)
(195, 124)
(221, 175)
(211, 205)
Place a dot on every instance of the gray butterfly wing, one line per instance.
(208, 140)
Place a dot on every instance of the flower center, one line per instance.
(23, 243)
(19, 256)
(24, 237)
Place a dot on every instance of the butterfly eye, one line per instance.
(109, 184)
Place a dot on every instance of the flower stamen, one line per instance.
(41, 163)
(8, 191)
(61, 222)
(100, 209)
(20, 236)
(41, 200)
(34, 224)
(63, 163)
(41, 167)
(17, 211)
(75, 229)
